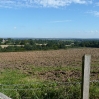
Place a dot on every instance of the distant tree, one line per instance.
(28, 47)
(0, 49)
(10, 49)
(31, 42)
(1, 40)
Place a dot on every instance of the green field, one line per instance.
(52, 74)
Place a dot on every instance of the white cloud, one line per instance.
(95, 13)
(41, 3)
(56, 3)
(88, 34)
(94, 32)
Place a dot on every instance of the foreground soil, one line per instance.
(26, 61)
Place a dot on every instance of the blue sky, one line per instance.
(49, 18)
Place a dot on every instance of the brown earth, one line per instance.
(70, 57)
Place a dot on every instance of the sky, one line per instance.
(49, 18)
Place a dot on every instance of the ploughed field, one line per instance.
(54, 65)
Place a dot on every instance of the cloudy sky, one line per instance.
(49, 18)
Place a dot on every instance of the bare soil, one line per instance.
(59, 58)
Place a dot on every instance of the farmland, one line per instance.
(47, 66)
(45, 63)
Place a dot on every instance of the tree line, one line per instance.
(14, 45)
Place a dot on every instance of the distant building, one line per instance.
(41, 44)
(70, 44)
(3, 41)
